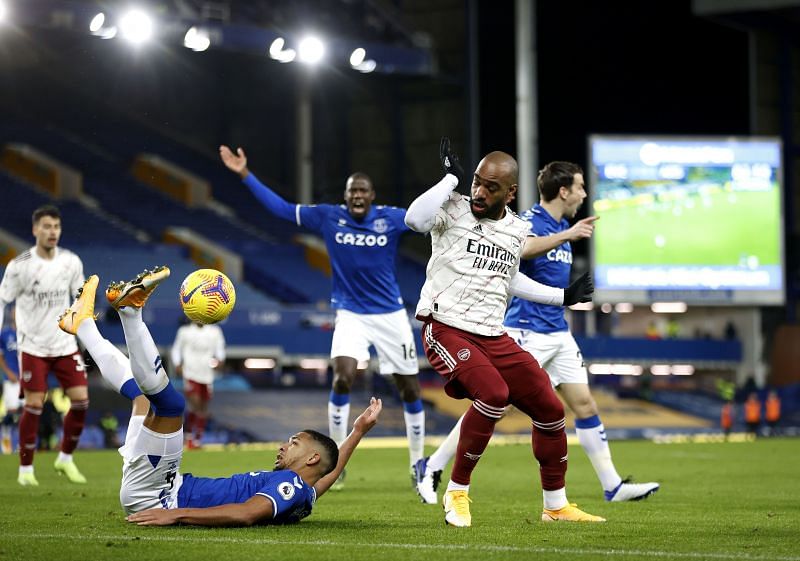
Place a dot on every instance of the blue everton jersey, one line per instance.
(8, 343)
(362, 254)
(552, 269)
(292, 498)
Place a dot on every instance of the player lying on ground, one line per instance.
(153, 490)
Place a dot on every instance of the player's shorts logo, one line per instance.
(27, 375)
(463, 355)
(286, 490)
(380, 225)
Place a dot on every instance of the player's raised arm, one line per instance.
(256, 509)
(237, 163)
(525, 287)
(539, 245)
(361, 426)
(421, 213)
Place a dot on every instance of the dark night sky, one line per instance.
(614, 67)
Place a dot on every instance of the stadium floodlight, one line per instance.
(196, 39)
(357, 56)
(136, 27)
(277, 51)
(3, 11)
(97, 23)
(367, 66)
(311, 50)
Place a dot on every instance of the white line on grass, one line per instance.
(419, 546)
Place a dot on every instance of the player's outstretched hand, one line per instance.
(369, 417)
(153, 517)
(583, 228)
(579, 291)
(235, 162)
(450, 163)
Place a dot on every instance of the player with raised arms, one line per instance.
(153, 490)
(361, 239)
(477, 243)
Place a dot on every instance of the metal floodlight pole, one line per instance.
(527, 117)
(305, 135)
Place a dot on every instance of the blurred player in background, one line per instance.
(542, 329)
(9, 364)
(477, 243)
(42, 281)
(198, 351)
(153, 490)
(362, 244)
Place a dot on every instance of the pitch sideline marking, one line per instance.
(492, 548)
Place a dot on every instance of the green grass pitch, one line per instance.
(720, 233)
(719, 501)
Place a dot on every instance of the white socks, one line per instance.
(446, 450)
(113, 365)
(415, 431)
(555, 500)
(592, 436)
(338, 421)
(145, 360)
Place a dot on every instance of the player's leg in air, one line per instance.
(154, 441)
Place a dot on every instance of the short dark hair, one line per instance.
(46, 210)
(355, 176)
(330, 452)
(554, 176)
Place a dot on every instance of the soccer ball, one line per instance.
(207, 296)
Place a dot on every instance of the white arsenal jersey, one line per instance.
(42, 289)
(194, 349)
(470, 268)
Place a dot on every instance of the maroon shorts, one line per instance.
(69, 370)
(203, 391)
(472, 364)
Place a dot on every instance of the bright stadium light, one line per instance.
(668, 307)
(196, 39)
(623, 308)
(136, 27)
(3, 11)
(97, 22)
(367, 66)
(357, 56)
(277, 51)
(311, 50)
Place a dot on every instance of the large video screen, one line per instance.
(687, 219)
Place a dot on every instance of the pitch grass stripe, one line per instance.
(420, 546)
